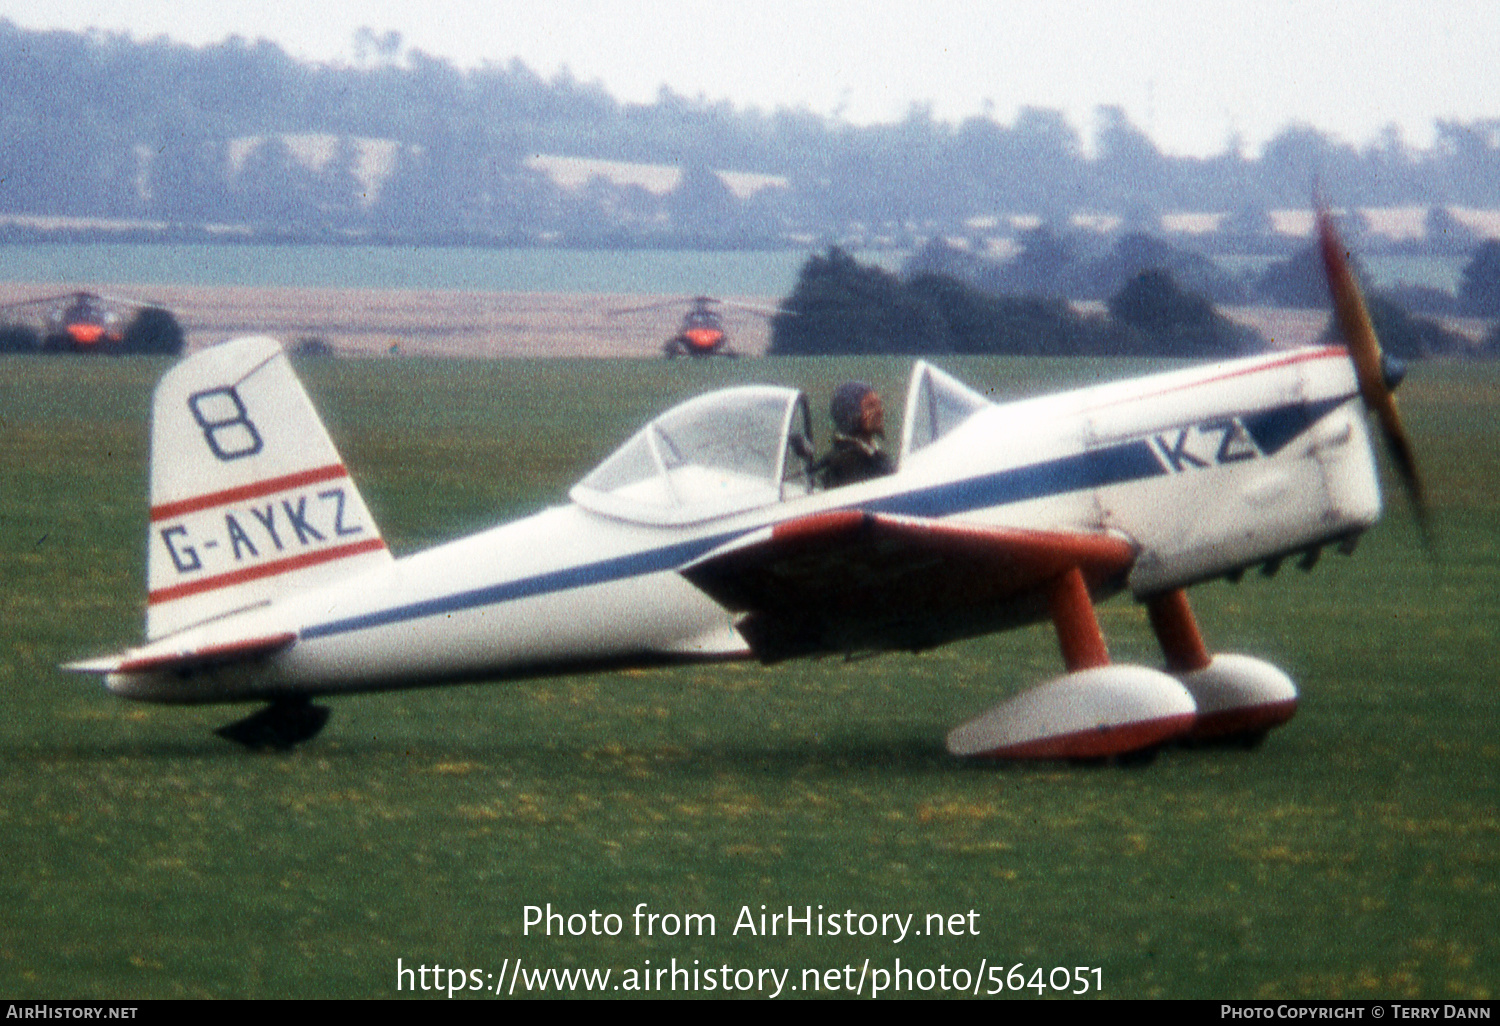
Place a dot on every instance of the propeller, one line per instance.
(1364, 350)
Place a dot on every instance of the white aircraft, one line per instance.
(704, 538)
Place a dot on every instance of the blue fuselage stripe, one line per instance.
(1099, 468)
(634, 565)
(1116, 464)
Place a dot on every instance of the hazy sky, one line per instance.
(1190, 72)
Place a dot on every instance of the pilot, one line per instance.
(858, 428)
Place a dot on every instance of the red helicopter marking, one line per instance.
(703, 338)
(85, 334)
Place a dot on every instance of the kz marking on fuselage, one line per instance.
(1213, 443)
(706, 536)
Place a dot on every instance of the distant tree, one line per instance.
(1479, 290)
(101, 124)
(372, 48)
(991, 325)
(774, 212)
(408, 195)
(1442, 230)
(188, 181)
(1250, 219)
(941, 258)
(1424, 299)
(1152, 300)
(1468, 168)
(273, 189)
(153, 331)
(1129, 167)
(1043, 267)
(1404, 336)
(1137, 252)
(1140, 218)
(1046, 162)
(338, 194)
(701, 206)
(1295, 157)
(1389, 169)
(842, 306)
(1173, 322)
(1299, 281)
(19, 338)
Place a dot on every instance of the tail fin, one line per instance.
(249, 498)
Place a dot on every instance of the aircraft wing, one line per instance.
(165, 656)
(850, 581)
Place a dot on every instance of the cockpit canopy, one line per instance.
(744, 448)
(709, 457)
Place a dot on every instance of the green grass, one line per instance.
(1356, 854)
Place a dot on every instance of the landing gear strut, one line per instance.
(1096, 712)
(1239, 698)
(1102, 712)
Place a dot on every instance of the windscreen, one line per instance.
(936, 403)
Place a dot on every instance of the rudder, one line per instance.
(249, 497)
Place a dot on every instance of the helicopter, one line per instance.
(86, 322)
(701, 332)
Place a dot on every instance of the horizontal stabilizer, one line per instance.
(163, 656)
(850, 580)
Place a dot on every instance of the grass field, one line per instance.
(1355, 854)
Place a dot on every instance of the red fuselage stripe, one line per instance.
(254, 490)
(256, 573)
(1300, 356)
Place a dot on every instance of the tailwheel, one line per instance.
(279, 727)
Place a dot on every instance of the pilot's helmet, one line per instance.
(845, 408)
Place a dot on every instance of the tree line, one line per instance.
(939, 306)
(106, 126)
(840, 305)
